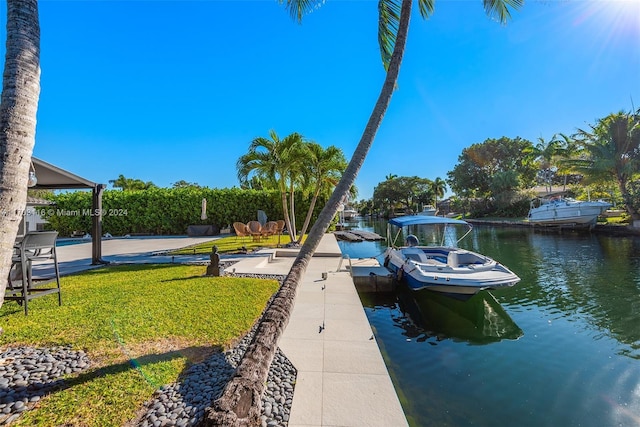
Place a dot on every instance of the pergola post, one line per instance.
(96, 225)
(51, 177)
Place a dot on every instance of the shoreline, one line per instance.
(612, 230)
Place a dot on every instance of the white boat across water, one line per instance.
(442, 267)
(350, 213)
(428, 211)
(564, 211)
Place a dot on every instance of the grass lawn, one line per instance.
(141, 326)
(233, 244)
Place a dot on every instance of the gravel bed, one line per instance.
(183, 403)
(28, 373)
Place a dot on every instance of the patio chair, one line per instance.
(35, 246)
(269, 229)
(241, 229)
(255, 229)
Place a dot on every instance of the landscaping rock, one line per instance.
(28, 373)
(204, 382)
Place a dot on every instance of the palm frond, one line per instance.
(499, 9)
(388, 22)
(426, 8)
(298, 8)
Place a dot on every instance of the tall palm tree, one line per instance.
(324, 167)
(439, 187)
(130, 184)
(548, 151)
(612, 152)
(279, 161)
(567, 151)
(18, 107)
(240, 402)
(543, 154)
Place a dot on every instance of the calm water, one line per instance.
(562, 348)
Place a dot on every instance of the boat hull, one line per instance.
(428, 212)
(557, 213)
(350, 213)
(439, 273)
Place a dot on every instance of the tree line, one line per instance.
(497, 176)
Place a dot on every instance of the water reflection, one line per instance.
(591, 278)
(429, 316)
(567, 353)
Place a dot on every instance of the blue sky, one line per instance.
(170, 90)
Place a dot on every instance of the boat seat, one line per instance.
(461, 257)
(415, 254)
(452, 259)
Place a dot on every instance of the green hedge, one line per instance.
(166, 211)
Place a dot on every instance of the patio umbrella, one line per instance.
(203, 215)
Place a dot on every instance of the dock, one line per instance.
(342, 379)
(357, 235)
(368, 275)
(372, 279)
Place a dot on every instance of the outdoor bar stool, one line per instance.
(35, 246)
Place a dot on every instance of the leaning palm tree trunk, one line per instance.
(239, 404)
(18, 107)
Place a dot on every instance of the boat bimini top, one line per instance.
(417, 220)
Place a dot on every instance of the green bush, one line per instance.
(166, 211)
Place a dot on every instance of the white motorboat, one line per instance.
(442, 267)
(565, 212)
(428, 211)
(350, 213)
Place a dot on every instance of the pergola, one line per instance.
(51, 177)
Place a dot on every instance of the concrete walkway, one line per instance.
(342, 379)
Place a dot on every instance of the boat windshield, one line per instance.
(435, 231)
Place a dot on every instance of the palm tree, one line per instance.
(324, 168)
(279, 161)
(543, 154)
(612, 152)
(131, 184)
(240, 401)
(18, 107)
(567, 151)
(439, 187)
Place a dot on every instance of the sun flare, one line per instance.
(621, 16)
